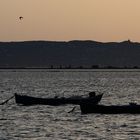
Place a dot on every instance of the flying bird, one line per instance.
(20, 17)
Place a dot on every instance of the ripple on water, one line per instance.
(47, 122)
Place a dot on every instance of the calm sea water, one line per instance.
(54, 123)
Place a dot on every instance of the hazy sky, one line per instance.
(101, 20)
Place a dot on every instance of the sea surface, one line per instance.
(55, 123)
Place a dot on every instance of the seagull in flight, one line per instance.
(20, 18)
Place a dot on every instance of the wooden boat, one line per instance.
(28, 100)
(132, 108)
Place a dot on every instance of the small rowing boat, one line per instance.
(28, 100)
(132, 108)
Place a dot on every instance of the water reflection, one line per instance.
(46, 122)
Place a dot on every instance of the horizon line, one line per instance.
(82, 40)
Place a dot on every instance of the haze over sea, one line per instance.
(54, 123)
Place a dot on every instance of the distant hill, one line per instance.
(51, 54)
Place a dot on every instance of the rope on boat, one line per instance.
(72, 109)
(7, 100)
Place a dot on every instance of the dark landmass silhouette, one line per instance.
(71, 54)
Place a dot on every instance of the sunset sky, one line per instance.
(63, 20)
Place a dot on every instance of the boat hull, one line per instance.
(102, 109)
(27, 100)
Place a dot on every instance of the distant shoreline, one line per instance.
(69, 68)
(70, 55)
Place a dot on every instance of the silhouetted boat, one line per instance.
(132, 108)
(28, 100)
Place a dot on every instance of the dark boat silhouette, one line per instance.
(132, 108)
(28, 100)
